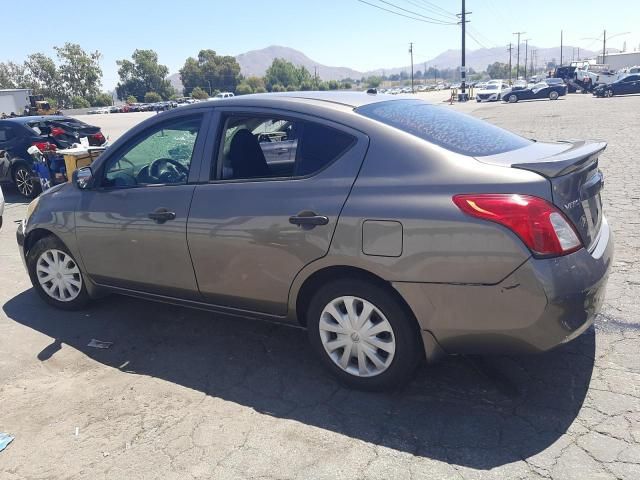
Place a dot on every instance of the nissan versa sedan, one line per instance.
(391, 229)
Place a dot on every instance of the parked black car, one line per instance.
(538, 91)
(623, 86)
(16, 165)
(65, 131)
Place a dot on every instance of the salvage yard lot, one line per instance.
(187, 394)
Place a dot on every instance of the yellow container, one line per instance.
(75, 158)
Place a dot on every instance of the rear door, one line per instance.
(254, 225)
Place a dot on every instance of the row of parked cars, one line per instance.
(48, 134)
(496, 90)
(156, 106)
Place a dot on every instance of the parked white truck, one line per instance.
(14, 100)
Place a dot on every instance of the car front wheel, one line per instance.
(363, 335)
(55, 274)
(553, 95)
(512, 98)
(608, 93)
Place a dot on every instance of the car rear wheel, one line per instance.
(23, 180)
(553, 95)
(608, 93)
(512, 98)
(363, 335)
(55, 274)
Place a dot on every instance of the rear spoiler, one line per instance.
(581, 154)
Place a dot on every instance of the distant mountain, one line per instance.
(256, 62)
(481, 58)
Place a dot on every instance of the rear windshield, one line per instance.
(444, 127)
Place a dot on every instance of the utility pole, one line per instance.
(315, 75)
(463, 68)
(424, 75)
(510, 50)
(578, 53)
(560, 47)
(604, 47)
(411, 52)
(526, 56)
(435, 74)
(518, 60)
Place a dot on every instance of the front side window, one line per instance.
(259, 147)
(162, 156)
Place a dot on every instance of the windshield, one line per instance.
(491, 87)
(446, 128)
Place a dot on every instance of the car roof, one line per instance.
(350, 100)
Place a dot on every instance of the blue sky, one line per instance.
(332, 32)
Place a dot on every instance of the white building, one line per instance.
(14, 100)
(616, 61)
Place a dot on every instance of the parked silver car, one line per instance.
(392, 229)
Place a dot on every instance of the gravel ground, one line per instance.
(185, 394)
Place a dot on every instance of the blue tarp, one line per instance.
(5, 439)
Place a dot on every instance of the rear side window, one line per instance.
(5, 133)
(444, 127)
(264, 146)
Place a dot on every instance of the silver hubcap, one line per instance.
(58, 275)
(23, 182)
(357, 336)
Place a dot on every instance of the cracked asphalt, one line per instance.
(186, 394)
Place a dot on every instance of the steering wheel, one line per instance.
(172, 171)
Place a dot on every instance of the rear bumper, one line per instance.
(542, 304)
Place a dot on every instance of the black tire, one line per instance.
(409, 350)
(33, 256)
(23, 180)
(608, 93)
(553, 95)
(512, 98)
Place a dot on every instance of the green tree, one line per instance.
(373, 81)
(333, 85)
(210, 71)
(131, 99)
(43, 77)
(143, 74)
(244, 89)
(277, 88)
(282, 72)
(347, 85)
(102, 100)
(152, 97)
(79, 71)
(323, 86)
(79, 102)
(498, 70)
(199, 93)
(256, 83)
(13, 75)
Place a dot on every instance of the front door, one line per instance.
(261, 219)
(131, 228)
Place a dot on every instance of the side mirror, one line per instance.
(82, 178)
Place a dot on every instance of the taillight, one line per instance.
(55, 131)
(98, 136)
(45, 146)
(539, 224)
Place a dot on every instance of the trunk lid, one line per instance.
(572, 169)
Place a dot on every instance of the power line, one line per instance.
(431, 10)
(415, 13)
(403, 15)
(476, 40)
(433, 5)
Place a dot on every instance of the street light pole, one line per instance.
(526, 56)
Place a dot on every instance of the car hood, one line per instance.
(483, 91)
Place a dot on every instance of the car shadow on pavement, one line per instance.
(480, 412)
